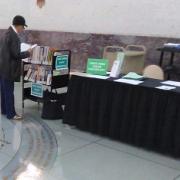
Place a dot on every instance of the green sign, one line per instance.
(97, 66)
(37, 90)
(61, 62)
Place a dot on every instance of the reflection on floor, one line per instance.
(49, 150)
(26, 146)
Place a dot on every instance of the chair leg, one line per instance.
(168, 76)
(38, 106)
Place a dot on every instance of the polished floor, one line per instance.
(49, 150)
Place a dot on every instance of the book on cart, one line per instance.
(40, 74)
(42, 55)
(48, 67)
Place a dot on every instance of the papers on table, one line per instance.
(129, 81)
(97, 76)
(89, 75)
(163, 87)
(169, 85)
(172, 83)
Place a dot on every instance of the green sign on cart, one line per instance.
(97, 66)
(37, 90)
(61, 62)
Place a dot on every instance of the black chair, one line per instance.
(172, 71)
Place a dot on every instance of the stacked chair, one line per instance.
(134, 57)
(110, 53)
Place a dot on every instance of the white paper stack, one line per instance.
(166, 87)
(89, 75)
(129, 81)
(172, 83)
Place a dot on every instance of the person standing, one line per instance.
(10, 65)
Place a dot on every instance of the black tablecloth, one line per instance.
(139, 115)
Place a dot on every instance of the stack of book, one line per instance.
(42, 55)
(39, 74)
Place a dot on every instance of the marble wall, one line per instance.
(91, 45)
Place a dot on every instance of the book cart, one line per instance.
(51, 71)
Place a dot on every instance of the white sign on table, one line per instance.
(117, 65)
(89, 75)
(166, 87)
(129, 81)
(172, 83)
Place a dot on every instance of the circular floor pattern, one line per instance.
(31, 144)
(10, 140)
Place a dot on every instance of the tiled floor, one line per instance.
(78, 156)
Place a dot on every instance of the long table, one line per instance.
(139, 115)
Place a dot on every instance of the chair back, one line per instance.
(154, 71)
(110, 53)
(134, 59)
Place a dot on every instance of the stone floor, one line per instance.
(49, 150)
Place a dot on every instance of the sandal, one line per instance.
(17, 118)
